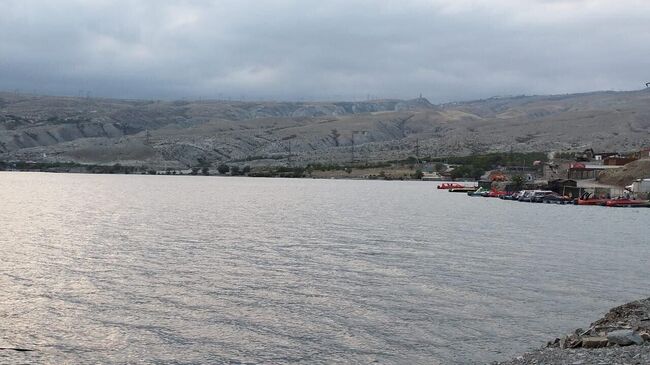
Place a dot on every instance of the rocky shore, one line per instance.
(621, 337)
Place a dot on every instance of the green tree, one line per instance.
(234, 170)
(518, 181)
(223, 169)
(205, 170)
(203, 162)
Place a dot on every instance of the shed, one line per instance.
(618, 160)
(560, 186)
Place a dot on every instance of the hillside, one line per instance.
(639, 169)
(180, 133)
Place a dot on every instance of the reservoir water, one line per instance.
(207, 270)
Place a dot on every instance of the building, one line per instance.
(603, 155)
(618, 160)
(431, 176)
(582, 171)
(563, 186)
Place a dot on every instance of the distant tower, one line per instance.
(352, 150)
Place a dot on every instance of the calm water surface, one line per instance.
(171, 270)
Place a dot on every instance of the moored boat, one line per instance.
(464, 189)
(498, 194)
(592, 201)
(479, 192)
(625, 202)
(448, 186)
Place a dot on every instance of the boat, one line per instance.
(556, 199)
(592, 201)
(498, 193)
(525, 195)
(464, 189)
(627, 202)
(538, 195)
(483, 192)
(512, 196)
(589, 199)
(448, 186)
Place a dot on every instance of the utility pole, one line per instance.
(352, 151)
(289, 151)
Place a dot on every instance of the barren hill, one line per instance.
(179, 133)
(624, 176)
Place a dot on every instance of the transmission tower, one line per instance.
(352, 151)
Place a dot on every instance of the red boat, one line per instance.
(624, 202)
(498, 194)
(448, 186)
(593, 201)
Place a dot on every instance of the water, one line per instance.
(171, 270)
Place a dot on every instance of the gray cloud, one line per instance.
(293, 49)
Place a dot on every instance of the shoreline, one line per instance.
(621, 336)
(315, 176)
(385, 171)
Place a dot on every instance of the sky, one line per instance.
(446, 50)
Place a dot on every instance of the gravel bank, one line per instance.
(621, 337)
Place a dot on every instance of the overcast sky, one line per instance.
(323, 49)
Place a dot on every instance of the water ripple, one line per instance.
(186, 270)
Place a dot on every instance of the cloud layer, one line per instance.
(303, 49)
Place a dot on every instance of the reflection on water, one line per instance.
(166, 269)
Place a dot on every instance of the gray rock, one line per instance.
(624, 338)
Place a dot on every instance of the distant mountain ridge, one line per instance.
(179, 133)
